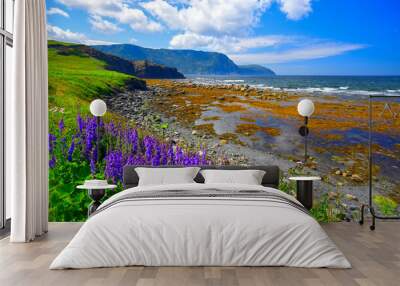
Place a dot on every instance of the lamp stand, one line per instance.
(305, 139)
(98, 138)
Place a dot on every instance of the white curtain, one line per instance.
(27, 124)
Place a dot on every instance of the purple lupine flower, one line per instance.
(179, 156)
(186, 161)
(195, 160)
(81, 123)
(52, 140)
(171, 155)
(123, 147)
(61, 125)
(157, 157)
(134, 140)
(148, 143)
(114, 164)
(52, 162)
(164, 155)
(131, 160)
(140, 160)
(71, 149)
(90, 136)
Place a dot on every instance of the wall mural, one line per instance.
(186, 107)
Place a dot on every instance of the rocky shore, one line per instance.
(174, 123)
(136, 106)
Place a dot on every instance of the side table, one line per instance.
(304, 192)
(96, 193)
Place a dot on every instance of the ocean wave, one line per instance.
(274, 88)
(341, 90)
(233, 80)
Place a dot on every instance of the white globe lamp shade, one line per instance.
(305, 107)
(98, 107)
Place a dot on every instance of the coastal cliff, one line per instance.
(188, 62)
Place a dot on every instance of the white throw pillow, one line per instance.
(166, 176)
(245, 177)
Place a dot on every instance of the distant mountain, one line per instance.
(186, 61)
(146, 69)
(115, 63)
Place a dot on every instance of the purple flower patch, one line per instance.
(71, 149)
(122, 146)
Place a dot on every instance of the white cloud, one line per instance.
(209, 17)
(57, 11)
(221, 25)
(56, 33)
(226, 44)
(202, 17)
(262, 41)
(306, 52)
(102, 25)
(295, 9)
(165, 12)
(118, 10)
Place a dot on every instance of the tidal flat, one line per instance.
(267, 121)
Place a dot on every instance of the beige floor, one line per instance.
(375, 257)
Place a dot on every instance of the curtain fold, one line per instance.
(27, 123)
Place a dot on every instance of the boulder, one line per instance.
(356, 178)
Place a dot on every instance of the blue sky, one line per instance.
(311, 37)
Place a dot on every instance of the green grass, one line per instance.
(75, 80)
(52, 42)
(386, 205)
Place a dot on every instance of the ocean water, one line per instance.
(342, 85)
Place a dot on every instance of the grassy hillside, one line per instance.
(78, 75)
(76, 79)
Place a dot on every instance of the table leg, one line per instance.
(305, 193)
(96, 196)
